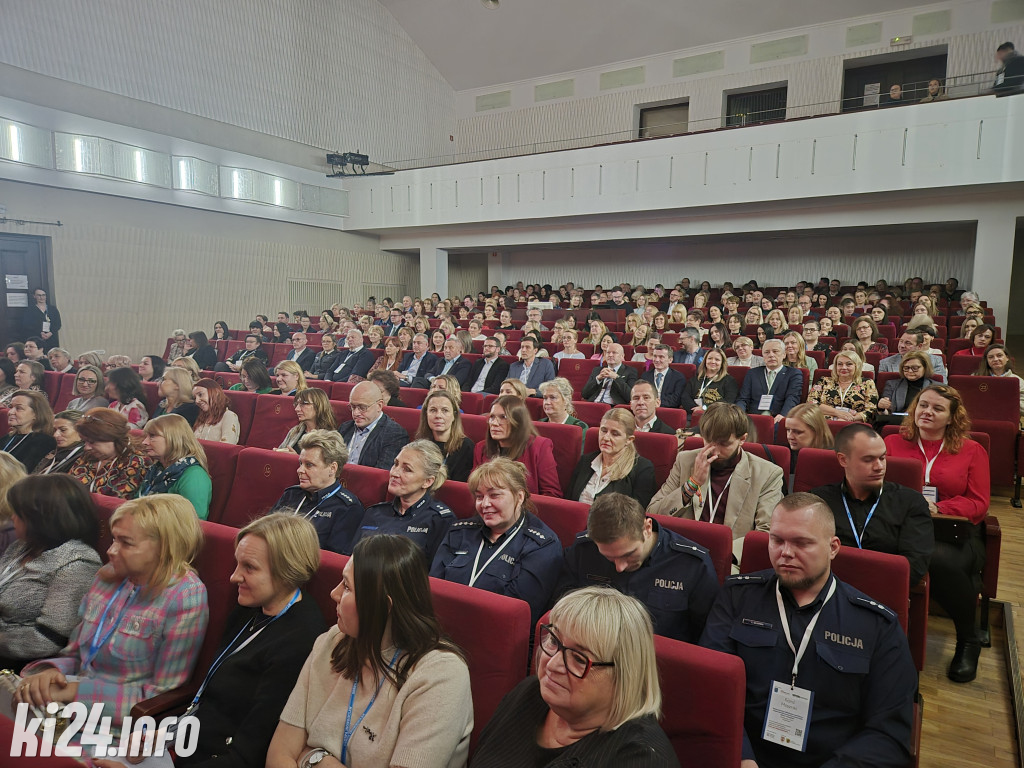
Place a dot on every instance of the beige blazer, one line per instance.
(755, 490)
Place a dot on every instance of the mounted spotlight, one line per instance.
(491, 4)
(355, 161)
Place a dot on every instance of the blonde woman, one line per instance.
(743, 346)
(795, 355)
(845, 395)
(569, 350)
(777, 321)
(188, 364)
(615, 467)
(289, 378)
(513, 387)
(754, 316)
(176, 391)
(179, 463)
(598, 330)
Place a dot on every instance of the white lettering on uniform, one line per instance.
(852, 642)
(668, 584)
(414, 529)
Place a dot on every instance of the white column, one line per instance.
(497, 263)
(993, 258)
(433, 271)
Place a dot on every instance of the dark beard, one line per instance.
(723, 463)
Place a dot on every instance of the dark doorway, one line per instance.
(24, 260)
(912, 74)
(753, 107)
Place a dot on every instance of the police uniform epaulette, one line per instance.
(347, 495)
(443, 509)
(582, 536)
(471, 523)
(873, 605)
(537, 535)
(691, 549)
(742, 579)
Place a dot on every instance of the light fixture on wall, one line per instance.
(491, 4)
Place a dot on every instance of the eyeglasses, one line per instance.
(577, 663)
(88, 381)
(360, 407)
(497, 417)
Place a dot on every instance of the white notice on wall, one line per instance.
(17, 282)
(17, 299)
(871, 91)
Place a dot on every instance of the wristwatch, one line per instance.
(313, 757)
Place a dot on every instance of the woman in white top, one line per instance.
(745, 356)
(569, 350)
(854, 346)
(383, 687)
(86, 388)
(216, 421)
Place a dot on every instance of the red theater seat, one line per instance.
(566, 518)
(66, 393)
(260, 478)
(458, 498)
(244, 406)
(589, 412)
(659, 449)
(222, 459)
(568, 444)
(820, 466)
(273, 417)
(577, 372)
(407, 418)
(369, 484)
(716, 539)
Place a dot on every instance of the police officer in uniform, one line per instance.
(319, 497)
(506, 549)
(830, 680)
(623, 548)
(414, 513)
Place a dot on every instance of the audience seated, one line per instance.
(326, 359)
(124, 388)
(216, 421)
(372, 437)
(354, 360)
(615, 467)
(441, 423)
(700, 478)
(911, 341)
(510, 433)
(200, 350)
(178, 463)
(111, 464)
(611, 382)
(845, 395)
(506, 548)
(530, 369)
(253, 348)
(319, 497)
(313, 411)
(644, 403)
(775, 390)
(672, 576)
(253, 377)
(668, 382)
(997, 362)
(176, 391)
(712, 384)
(30, 420)
(806, 428)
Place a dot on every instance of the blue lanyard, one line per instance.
(99, 639)
(858, 536)
(349, 728)
(309, 514)
(230, 650)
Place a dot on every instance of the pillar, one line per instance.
(433, 271)
(993, 258)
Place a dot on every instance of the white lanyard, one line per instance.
(799, 654)
(477, 573)
(713, 502)
(67, 458)
(701, 390)
(9, 448)
(929, 464)
(844, 392)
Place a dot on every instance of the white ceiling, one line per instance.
(474, 47)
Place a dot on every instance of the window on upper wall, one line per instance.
(867, 82)
(765, 105)
(664, 120)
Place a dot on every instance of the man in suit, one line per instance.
(912, 341)
(419, 364)
(668, 383)
(354, 362)
(394, 322)
(530, 369)
(253, 348)
(373, 438)
(644, 402)
(774, 390)
(690, 350)
(454, 363)
(612, 383)
(721, 483)
(488, 372)
(300, 353)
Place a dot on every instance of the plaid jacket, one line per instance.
(154, 648)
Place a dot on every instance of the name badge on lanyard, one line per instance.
(930, 492)
(788, 715)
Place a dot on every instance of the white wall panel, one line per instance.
(127, 272)
(782, 260)
(329, 74)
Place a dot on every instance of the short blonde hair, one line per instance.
(183, 380)
(293, 547)
(189, 364)
(290, 366)
(331, 444)
(432, 459)
(11, 471)
(181, 440)
(170, 520)
(615, 628)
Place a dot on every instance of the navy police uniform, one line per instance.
(425, 522)
(526, 566)
(334, 511)
(677, 582)
(858, 666)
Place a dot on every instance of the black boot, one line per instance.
(964, 666)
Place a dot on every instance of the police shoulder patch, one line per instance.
(347, 496)
(471, 523)
(743, 579)
(691, 549)
(538, 535)
(443, 509)
(867, 603)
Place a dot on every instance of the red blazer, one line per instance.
(539, 460)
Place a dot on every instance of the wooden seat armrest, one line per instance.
(169, 702)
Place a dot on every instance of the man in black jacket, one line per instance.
(373, 438)
(487, 373)
(1010, 77)
(644, 402)
(253, 348)
(612, 383)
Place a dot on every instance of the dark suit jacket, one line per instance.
(659, 427)
(357, 364)
(382, 444)
(785, 390)
(497, 374)
(259, 353)
(205, 358)
(460, 369)
(726, 386)
(542, 370)
(428, 367)
(305, 358)
(639, 483)
(671, 388)
(620, 387)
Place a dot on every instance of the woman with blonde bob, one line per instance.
(615, 467)
(289, 378)
(179, 462)
(596, 698)
(845, 395)
(176, 391)
(148, 583)
(513, 388)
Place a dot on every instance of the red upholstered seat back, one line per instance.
(989, 398)
(475, 426)
(51, 384)
(568, 440)
(589, 412)
(577, 372)
(340, 390)
(413, 396)
(472, 402)
(716, 539)
(214, 565)
(260, 478)
(222, 460)
(407, 418)
(66, 393)
(152, 399)
(244, 406)
(882, 576)
(494, 633)
(369, 484)
(659, 449)
(105, 506)
(458, 498)
(566, 518)
(273, 416)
